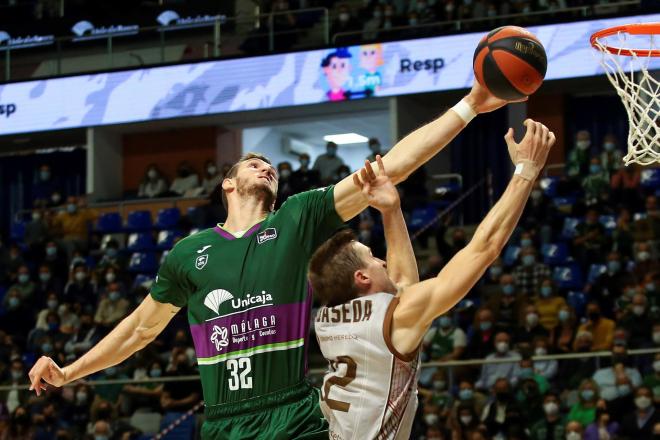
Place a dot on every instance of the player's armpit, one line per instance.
(421, 303)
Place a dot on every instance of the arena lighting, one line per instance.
(345, 138)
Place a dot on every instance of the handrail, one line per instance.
(458, 23)
(320, 371)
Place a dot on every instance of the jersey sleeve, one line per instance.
(314, 214)
(169, 286)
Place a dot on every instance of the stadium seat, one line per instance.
(577, 300)
(568, 277)
(549, 186)
(511, 255)
(554, 253)
(569, 229)
(421, 217)
(167, 218)
(140, 241)
(608, 221)
(650, 178)
(595, 270)
(138, 221)
(143, 262)
(163, 256)
(166, 239)
(184, 430)
(141, 279)
(564, 204)
(109, 222)
(17, 231)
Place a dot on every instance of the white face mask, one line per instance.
(656, 366)
(540, 351)
(80, 276)
(551, 408)
(573, 436)
(152, 174)
(642, 402)
(466, 420)
(638, 310)
(583, 145)
(430, 419)
(110, 277)
(502, 347)
(532, 319)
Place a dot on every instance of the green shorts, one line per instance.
(293, 413)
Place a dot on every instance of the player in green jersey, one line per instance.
(245, 286)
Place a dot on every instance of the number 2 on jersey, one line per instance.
(239, 379)
(351, 369)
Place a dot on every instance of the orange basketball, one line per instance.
(510, 62)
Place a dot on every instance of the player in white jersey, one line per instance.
(376, 313)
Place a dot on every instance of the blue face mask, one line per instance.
(111, 371)
(650, 287)
(111, 252)
(44, 276)
(594, 169)
(526, 373)
(114, 296)
(46, 347)
(45, 175)
(528, 260)
(525, 242)
(51, 251)
(623, 389)
(156, 372)
(23, 278)
(445, 321)
(563, 315)
(14, 302)
(331, 152)
(614, 266)
(465, 394)
(508, 289)
(495, 271)
(546, 291)
(71, 208)
(587, 394)
(485, 325)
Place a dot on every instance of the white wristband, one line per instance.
(464, 111)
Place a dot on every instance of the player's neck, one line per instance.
(243, 214)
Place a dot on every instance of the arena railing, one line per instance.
(318, 372)
(527, 18)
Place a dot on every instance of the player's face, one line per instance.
(257, 178)
(376, 270)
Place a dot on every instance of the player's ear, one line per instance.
(361, 280)
(228, 184)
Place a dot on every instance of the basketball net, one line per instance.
(639, 90)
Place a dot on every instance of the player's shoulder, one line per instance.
(193, 242)
(306, 196)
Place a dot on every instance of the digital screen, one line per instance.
(213, 87)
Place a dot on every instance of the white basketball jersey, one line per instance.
(370, 390)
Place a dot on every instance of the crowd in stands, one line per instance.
(580, 275)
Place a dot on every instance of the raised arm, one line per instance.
(418, 147)
(380, 192)
(132, 334)
(421, 303)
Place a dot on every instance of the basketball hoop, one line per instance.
(635, 83)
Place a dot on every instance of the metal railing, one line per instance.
(321, 371)
(461, 24)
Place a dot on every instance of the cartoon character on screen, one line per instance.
(371, 58)
(337, 69)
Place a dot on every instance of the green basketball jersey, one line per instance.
(248, 298)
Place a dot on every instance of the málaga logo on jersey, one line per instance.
(266, 234)
(216, 297)
(201, 261)
(219, 337)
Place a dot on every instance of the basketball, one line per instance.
(510, 62)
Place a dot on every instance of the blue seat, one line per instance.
(608, 221)
(163, 256)
(17, 230)
(569, 229)
(109, 223)
(549, 185)
(421, 217)
(595, 270)
(167, 218)
(577, 300)
(650, 178)
(138, 221)
(166, 239)
(564, 204)
(568, 277)
(554, 253)
(511, 254)
(184, 429)
(141, 279)
(143, 262)
(139, 242)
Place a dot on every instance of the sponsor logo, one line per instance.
(408, 65)
(215, 298)
(201, 261)
(266, 234)
(9, 43)
(219, 337)
(199, 251)
(7, 110)
(85, 30)
(170, 20)
(252, 300)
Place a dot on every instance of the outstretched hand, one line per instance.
(482, 101)
(535, 145)
(378, 189)
(49, 371)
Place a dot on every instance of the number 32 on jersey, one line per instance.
(239, 370)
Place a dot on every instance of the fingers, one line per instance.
(538, 133)
(551, 139)
(370, 171)
(508, 137)
(35, 376)
(381, 165)
(531, 128)
(356, 180)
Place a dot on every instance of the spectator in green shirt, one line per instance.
(551, 427)
(584, 411)
(596, 183)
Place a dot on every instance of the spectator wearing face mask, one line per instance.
(45, 185)
(19, 427)
(625, 186)
(548, 368)
(85, 336)
(102, 430)
(153, 183)
(468, 396)
(435, 393)
(578, 157)
(211, 177)
(466, 423)
(648, 228)
(482, 335)
(328, 164)
(604, 427)
(24, 285)
(73, 224)
(611, 157)
(46, 284)
(591, 242)
(444, 341)
(584, 410)
(144, 395)
(14, 398)
(601, 328)
(529, 328)
(37, 231)
(304, 178)
(490, 373)
(19, 317)
(624, 400)
(645, 261)
(111, 258)
(285, 186)
(502, 413)
(551, 427)
(56, 261)
(344, 21)
(180, 396)
(506, 304)
(548, 304)
(574, 430)
(638, 321)
(52, 302)
(83, 398)
(372, 23)
(596, 182)
(640, 422)
(652, 379)
(606, 378)
(538, 209)
(185, 182)
(529, 274)
(609, 285)
(563, 335)
(112, 308)
(80, 290)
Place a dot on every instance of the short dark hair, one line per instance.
(234, 170)
(332, 267)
